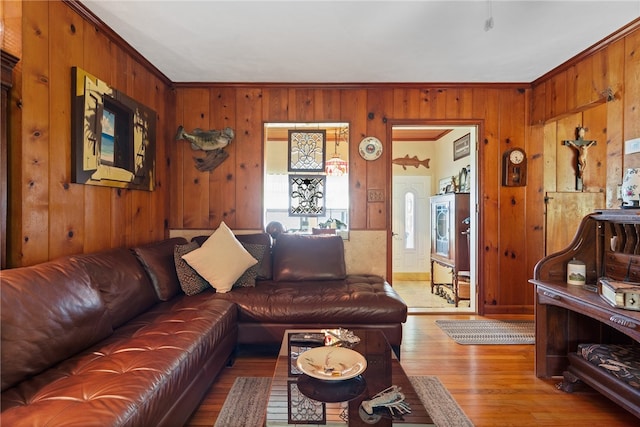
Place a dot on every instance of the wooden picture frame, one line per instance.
(113, 136)
(462, 147)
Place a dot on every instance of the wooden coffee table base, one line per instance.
(290, 404)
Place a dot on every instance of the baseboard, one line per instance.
(412, 277)
(508, 309)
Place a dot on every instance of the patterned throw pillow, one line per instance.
(248, 278)
(190, 281)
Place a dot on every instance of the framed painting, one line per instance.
(113, 136)
(462, 147)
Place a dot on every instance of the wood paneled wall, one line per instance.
(51, 217)
(233, 192)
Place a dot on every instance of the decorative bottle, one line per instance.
(631, 188)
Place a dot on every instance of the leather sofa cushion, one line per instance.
(123, 283)
(365, 299)
(157, 259)
(49, 312)
(308, 257)
(130, 378)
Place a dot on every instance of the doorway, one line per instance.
(425, 164)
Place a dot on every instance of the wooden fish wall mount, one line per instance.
(212, 142)
(411, 161)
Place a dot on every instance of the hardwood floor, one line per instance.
(494, 384)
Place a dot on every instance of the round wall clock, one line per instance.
(370, 148)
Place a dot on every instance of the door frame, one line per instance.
(477, 256)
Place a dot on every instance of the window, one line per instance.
(335, 192)
(409, 221)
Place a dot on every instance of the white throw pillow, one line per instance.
(221, 259)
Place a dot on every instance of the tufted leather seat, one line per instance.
(87, 342)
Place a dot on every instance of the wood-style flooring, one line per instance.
(494, 384)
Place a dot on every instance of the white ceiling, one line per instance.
(361, 41)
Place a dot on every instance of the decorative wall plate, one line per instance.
(370, 148)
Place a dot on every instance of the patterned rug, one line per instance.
(489, 331)
(247, 402)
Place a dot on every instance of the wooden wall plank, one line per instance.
(121, 199)
(567, 158)
(486, 107)
(353, 104)
(407, 102)
(556, 91)
(378, 100)
(301, 105)
(249, 173)
(178, 164)
(535, 196)
(513, 278)
(66, 226)
(550, 178)
(222, 180)
(195, 114)
(97, 200)
(34, 185)
(595, 120)
(615, 122)
(632, 93)
(327, 105)
(570, 82)
(275, 104)
(538, 104)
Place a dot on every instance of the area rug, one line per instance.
(489, 331)
(247, 402)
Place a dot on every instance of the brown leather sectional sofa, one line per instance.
(110, 339)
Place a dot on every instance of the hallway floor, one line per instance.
(418, 297)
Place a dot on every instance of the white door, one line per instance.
(410, 220)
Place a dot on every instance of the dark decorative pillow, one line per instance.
(190, 281)
(248, 278)
(156, 259)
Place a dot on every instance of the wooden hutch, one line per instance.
(608, 242)
(450, 239)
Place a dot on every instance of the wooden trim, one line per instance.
(379, 85)
(602, 44)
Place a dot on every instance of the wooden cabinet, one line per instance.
(450, 238)
(608, 242)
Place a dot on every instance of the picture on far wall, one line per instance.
(113, 136)
(462, 147)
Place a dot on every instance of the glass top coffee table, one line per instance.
(296, 398)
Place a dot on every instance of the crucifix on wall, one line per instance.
(581, 145)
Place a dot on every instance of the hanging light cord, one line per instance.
(488, 24)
